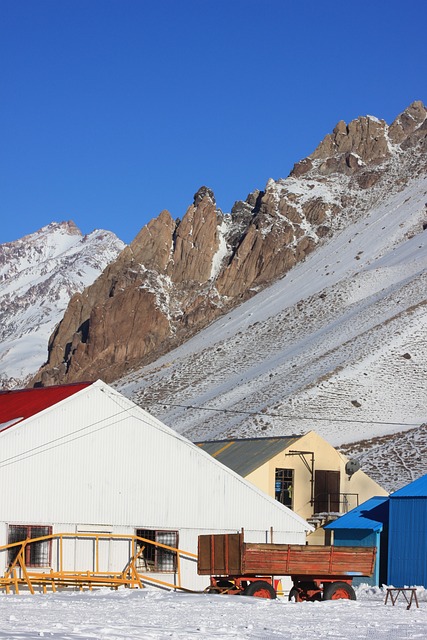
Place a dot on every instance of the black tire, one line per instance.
(260, 589)
(338, 591)
(294, 593)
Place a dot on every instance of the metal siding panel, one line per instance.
(358, 538)
(416, 488)
(407, 557)
(246, 455)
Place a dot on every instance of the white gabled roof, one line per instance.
(116, 463)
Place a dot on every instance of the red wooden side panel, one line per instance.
(219, 555)
(307, 560)
(228, 555)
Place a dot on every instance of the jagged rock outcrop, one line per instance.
(366, 142)
(141, 300)
(38, 275)
(177, 276)
(410, 127)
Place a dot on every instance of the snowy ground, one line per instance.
(155, 614)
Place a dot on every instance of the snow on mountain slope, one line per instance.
(338, 345)
(393, 460)
(38, 275)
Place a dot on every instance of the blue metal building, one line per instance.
(397, 526)
(407, 558)
(366, 526)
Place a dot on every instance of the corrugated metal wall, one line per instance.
(407, 558)
(96, 459)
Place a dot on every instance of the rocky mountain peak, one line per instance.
(153, 244)
(365, 142)
(70, 227)
(177, 276)
(203, 192)
(410, 126)
(196, 240)
(349, 147)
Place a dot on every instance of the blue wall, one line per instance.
(407, 557)
(360, 538)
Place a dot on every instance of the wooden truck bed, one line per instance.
(229, 555)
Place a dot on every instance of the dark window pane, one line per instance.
(16, 534)
(166, 559)
(284, 485)
(149, 553)
(156, 558)
(39, 551)
(37, 554)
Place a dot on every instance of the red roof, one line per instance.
(19, 405)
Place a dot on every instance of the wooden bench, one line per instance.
(394, 592)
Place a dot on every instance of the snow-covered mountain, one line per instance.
(38, 275)
(339, 344)
(177, 276)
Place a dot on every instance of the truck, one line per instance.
(318, 572)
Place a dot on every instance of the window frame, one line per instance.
(156, 555)
(290, 482)
(30, 557)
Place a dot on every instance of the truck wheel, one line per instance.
(294, 594)
(260, 589)
(338, 591)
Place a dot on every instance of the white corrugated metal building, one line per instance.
(95, 461)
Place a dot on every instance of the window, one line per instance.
(37, 554)
(156, 558)
(284, 486)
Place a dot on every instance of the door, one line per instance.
(326, 491)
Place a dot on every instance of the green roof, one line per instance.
(245, 455)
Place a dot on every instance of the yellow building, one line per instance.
(305, 473)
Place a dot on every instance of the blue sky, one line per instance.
(112, 110)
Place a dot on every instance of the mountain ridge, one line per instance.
(338, 346)
(176, 277)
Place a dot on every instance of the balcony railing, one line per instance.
(339, 503)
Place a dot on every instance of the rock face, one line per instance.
(177, 276)
(38, 275)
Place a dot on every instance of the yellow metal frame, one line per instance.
(18, 574)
